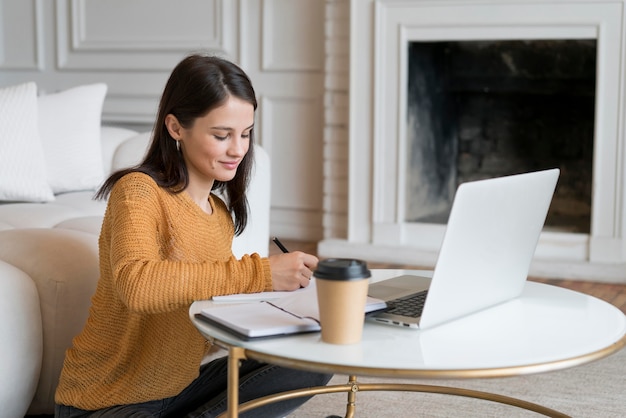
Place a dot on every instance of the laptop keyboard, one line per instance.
(411, 306)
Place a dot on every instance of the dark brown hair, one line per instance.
(197, 85)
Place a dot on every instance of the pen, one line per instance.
(280, 245)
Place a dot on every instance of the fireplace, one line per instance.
(383, 224)
(481, 109)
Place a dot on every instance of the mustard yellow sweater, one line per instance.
(159, 252)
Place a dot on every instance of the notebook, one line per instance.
(294, 313)
(485, 256)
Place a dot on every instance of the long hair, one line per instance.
(197, 85)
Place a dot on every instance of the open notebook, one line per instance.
(294, 313)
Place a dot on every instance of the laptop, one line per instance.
(485, 256)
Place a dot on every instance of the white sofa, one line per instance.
(49, 269)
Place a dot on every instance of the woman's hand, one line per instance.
(291, 271)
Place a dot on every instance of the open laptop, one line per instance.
(485, 256)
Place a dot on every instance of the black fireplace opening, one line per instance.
(482, 109)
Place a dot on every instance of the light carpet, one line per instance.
(593, 390)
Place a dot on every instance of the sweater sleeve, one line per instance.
(158, 263)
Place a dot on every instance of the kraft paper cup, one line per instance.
(341, 295)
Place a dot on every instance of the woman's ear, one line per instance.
(173, 127)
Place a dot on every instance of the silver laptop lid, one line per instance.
(489, 243)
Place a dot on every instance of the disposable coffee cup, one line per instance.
(341, 296)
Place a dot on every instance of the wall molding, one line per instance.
(81, 46)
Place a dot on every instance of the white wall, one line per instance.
(133, 45)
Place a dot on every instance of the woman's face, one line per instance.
(216, 143)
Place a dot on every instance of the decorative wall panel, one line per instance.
(292, 137)
(297, 21)
(21, 20)
(96, 34)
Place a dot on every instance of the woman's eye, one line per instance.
(221, 138)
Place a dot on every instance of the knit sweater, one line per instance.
(159, 252)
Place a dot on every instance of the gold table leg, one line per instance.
(235, 355)
(353, 389)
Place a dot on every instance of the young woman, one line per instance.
(166, 242)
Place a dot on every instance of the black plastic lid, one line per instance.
(342, 269)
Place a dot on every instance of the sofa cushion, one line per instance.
(63, 264)
(69, 126)
(22, 164)
(89, 224)
(131, 152)
(67, 206)
(112, 138)
(83, 202)
(21, 343)
(35, 215)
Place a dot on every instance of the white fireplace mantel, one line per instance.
(380, 32)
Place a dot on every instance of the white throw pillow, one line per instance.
(69, 126)
(22, 164)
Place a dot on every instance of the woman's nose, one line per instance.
(239, 146)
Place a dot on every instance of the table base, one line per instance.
(237, 354)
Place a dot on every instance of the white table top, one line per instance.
(546, 328)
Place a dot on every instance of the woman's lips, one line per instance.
(230, 165)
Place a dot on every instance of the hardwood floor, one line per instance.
(610, 292)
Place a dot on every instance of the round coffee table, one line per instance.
(546, 328)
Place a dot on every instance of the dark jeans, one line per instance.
(206, 396)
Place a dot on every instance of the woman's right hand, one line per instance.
(291, 271)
